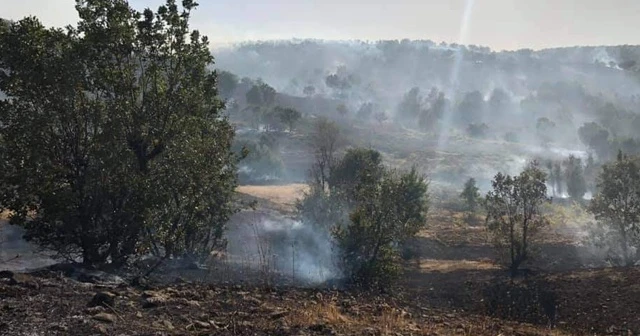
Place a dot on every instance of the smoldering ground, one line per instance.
(282, 246)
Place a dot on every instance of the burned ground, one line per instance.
(451, 286)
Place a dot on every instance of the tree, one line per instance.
(113, 141)
(325, 141)
(574, 176)
(410, 106)
(372, 213)
(227, 84)
(471, 108)
(261, 98)
(513, 213)
(499, 102)
(358, 167)
(342, 110)
(428, 119)
(470, 194)
(390, 212)
(309, 90)
(289, 116)
(616, 207)
(261, 94)
(596, 138)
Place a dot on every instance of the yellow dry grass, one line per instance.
(445, 266)
(280, 194)
(388, 321)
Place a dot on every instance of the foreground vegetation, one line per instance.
(113, 141)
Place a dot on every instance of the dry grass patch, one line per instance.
(280, 194)
(445, 266)
(386, 320)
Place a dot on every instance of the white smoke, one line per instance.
(284, 246)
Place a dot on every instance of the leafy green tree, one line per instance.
(261, 94)
(260, 99)
(574, 176)
(358, 168)
(616, 207)
(113, 139)
(325, 141)
(390, 212)
(470, 194)
(371, 211)
(513, 213)
(227, 83)
(288, 116)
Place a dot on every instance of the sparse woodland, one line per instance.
(310, 187)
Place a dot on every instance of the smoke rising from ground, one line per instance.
(282, 245)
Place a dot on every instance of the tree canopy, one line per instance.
(113, 138)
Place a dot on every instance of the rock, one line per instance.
(105, 317)
(105, 299)
(138, 314)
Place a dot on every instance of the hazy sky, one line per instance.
(499, 24)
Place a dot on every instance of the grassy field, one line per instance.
(285, 195)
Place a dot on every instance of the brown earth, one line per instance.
(452, 287)
(54, 305)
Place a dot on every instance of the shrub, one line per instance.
(373, 213)
(616, 207)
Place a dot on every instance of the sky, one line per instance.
(499, 24)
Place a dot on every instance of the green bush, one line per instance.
(372, 212)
